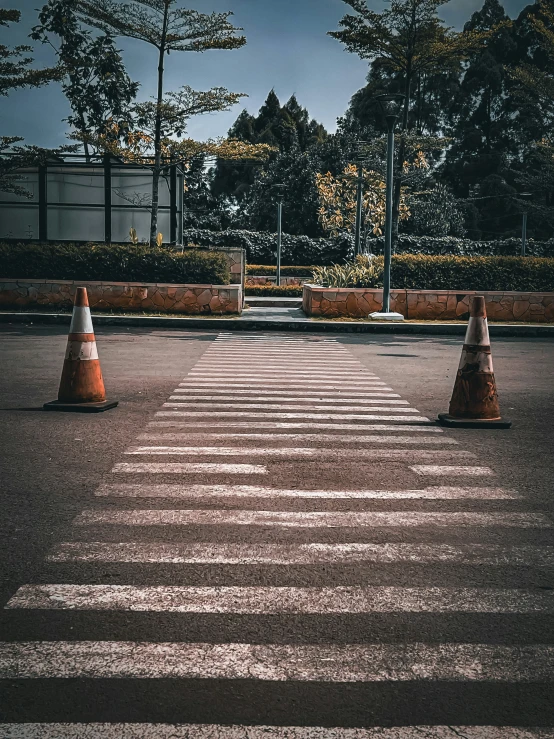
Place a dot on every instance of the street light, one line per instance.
(279, 192)
(525, 196)
(359, 195)
(390, 105)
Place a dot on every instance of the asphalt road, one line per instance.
(309, 588)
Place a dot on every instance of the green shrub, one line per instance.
(261, 246)
(421, 272)
(364, 271)
(269, 291)
(109, 263)
(267, 270)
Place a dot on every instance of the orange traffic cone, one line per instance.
(82, 385)
(474, 401)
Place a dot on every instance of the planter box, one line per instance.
(128, 296)
(441, 305)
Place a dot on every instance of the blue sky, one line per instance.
(287, 49)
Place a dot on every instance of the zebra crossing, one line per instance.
(316, 559)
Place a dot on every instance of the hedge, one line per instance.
(274, 291)
(261, 246)
(109, 263)
(267, 270)
(451, 245)
(420, 272)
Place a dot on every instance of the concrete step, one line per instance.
(256, 301)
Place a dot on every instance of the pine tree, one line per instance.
(288, 128)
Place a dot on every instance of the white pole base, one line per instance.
(378, 316)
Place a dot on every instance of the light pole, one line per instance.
(359, 196)
(525, 196)
(390, 106)
(279, 191)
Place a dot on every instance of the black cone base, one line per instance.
(473, 423)
(57, 405)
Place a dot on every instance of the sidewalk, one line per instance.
(281, 319)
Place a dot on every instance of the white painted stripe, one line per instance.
(314, 416)
(211, 731)
(403, 428)
(81, 321)
(404, 455)
(283, 386)
(284, 354)
(333, 438)
(381, 392)
(82, 350)
(306, 519)
(287, 406)
(382, 398)
(277, 662)
(449, 471)
(255, 491)
(186, 467)
(265, 600)
(295, 363)
(272, 374)
(304, 554)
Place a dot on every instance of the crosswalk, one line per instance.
(316, 559)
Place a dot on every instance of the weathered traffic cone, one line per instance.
(474, 402)
(82, 386)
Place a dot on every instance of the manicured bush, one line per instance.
(420, 272)
(261, 246)
(267, 270)
(451, 245)
(273, 291)
(109, 263)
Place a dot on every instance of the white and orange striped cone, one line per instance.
(82, 385)
(474, 402)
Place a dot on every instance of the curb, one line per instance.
(246, 324)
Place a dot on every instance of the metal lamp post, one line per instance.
(525, 196)
(279, 192)
(359, 152)
(390, 106)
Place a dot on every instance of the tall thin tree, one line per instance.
(166, 27)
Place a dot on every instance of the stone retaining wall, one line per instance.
(270, 280)
(441, 305)
(128, 296)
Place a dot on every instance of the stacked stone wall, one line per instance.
(441, 305)
(122, 296)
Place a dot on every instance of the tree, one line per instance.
(435, 212)
(15, 64)
(337, 202)
(296, 170)
(16, 72)
(534, 79)
(167, 28)
(287, 128)
(95, 83)
(483, 134)
(405, 43)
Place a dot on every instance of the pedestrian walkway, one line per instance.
(289, 549)
(280, 313)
